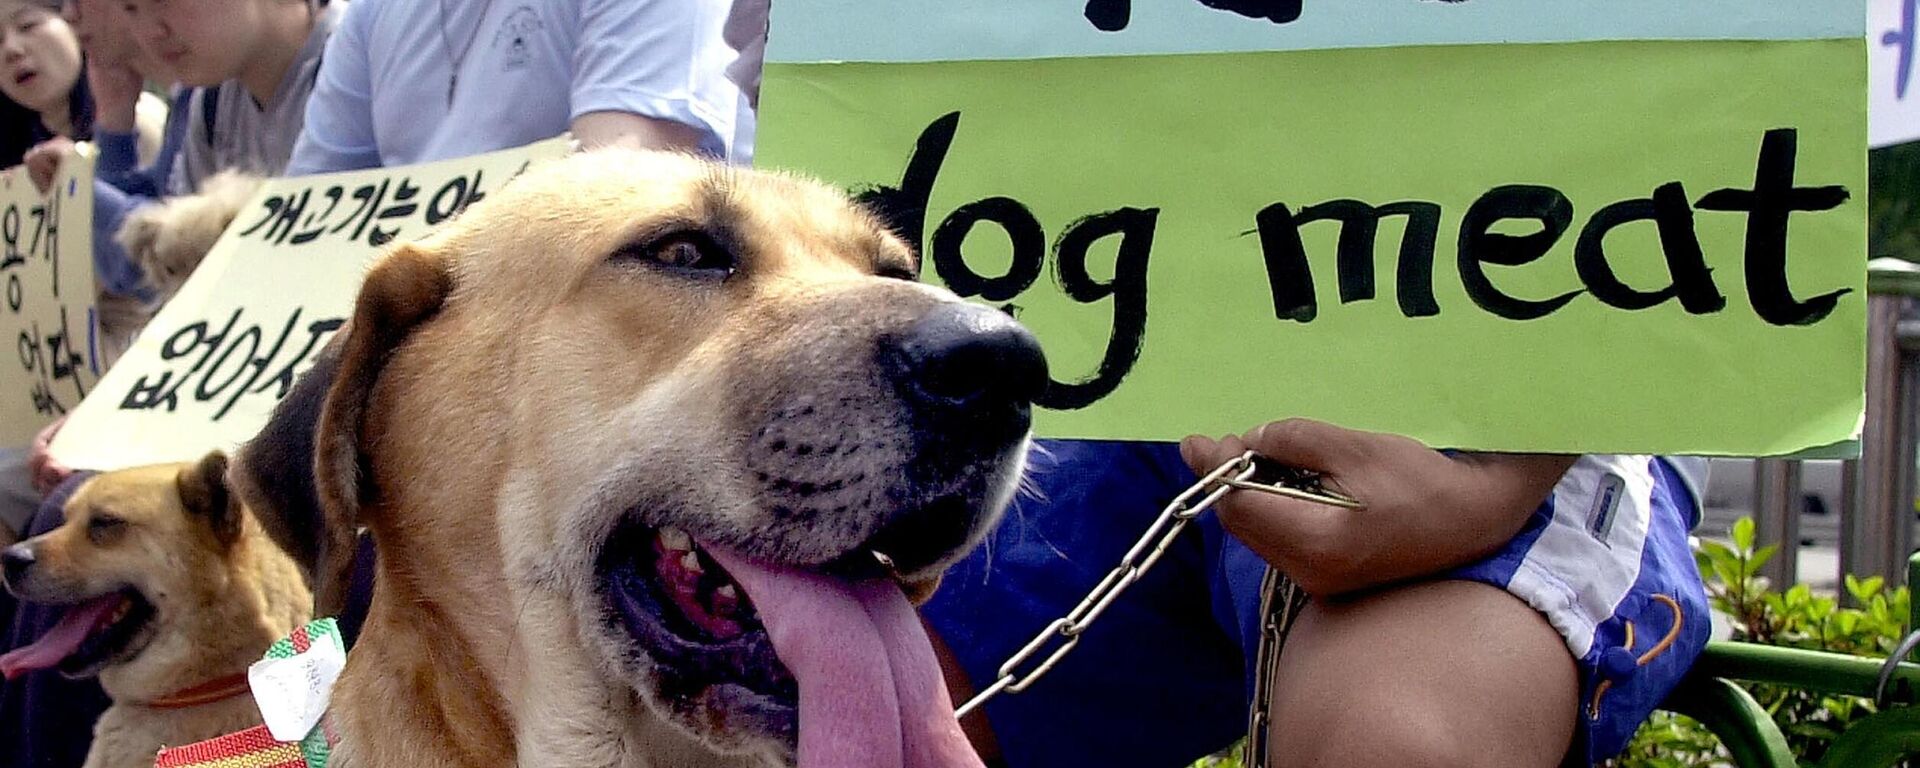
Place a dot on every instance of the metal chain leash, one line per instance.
(1248, 471)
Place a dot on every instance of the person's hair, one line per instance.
(20, 126)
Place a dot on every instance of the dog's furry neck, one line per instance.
(421, 674)
(219, 628)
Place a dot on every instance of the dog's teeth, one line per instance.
(691, 562)
(727, 593)
(676, 539)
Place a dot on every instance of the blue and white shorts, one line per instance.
(1607, 561)
(1166, 675)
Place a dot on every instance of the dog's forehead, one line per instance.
(796, 217)
(580, 207)
(125, 490)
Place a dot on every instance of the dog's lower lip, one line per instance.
(719, 671)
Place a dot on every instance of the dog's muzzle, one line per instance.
(969, 375)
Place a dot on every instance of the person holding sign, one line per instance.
(254, 62)
(251, 64)
(49, 105)
(412, 82)
(131, 128)
(1480, 609)
(45, 95)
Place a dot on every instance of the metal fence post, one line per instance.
(1878, 537)
(1777, 503)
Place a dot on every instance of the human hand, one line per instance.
(1424, 511)
(116, 95)
(46, 470)
(43, 161)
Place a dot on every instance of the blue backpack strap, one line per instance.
(209, 109)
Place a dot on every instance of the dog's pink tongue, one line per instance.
(870, 687)
(61, 641)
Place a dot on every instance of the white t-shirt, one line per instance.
(526, 69)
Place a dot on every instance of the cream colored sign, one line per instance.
(49, 359)
(208, 370)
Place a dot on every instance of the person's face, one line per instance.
(105, 36)
(39, 56)
(199, 42)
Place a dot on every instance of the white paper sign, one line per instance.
(50, 360)
(1893, 72)
(209, 368)
(293, 692)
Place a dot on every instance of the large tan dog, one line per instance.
(174, 589)
(634, 438)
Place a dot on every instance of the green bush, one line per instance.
(1794, 618)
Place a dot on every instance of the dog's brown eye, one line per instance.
(100, 526)
(686, 252)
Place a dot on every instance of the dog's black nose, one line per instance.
(967, 356)
(14, 562)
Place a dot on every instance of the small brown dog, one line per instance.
(174, 590)
(654, 452)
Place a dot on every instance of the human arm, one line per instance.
(116, 99)
(625, 129)
(47, 471)
(116, 96)
(1425, 512)
(650, 74)
(338, 133)
(746, 33)
(119, 153)
(112, 266)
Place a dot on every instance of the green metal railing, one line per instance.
(1710, 695)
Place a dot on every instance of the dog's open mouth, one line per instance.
(714, 660)
(90, 636)
(838, 669)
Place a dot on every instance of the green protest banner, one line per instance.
(1604, 239)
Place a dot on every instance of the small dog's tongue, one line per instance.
(870, 687)
(61, 641)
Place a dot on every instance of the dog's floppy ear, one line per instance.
(203, 492)
(403, 290)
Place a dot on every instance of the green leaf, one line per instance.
(1863, 590)
(1761, 557)
(1743, 534)
(1799, 595)
(1727, 571)
(1848, 623)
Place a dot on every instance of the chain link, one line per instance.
(1236, 474)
